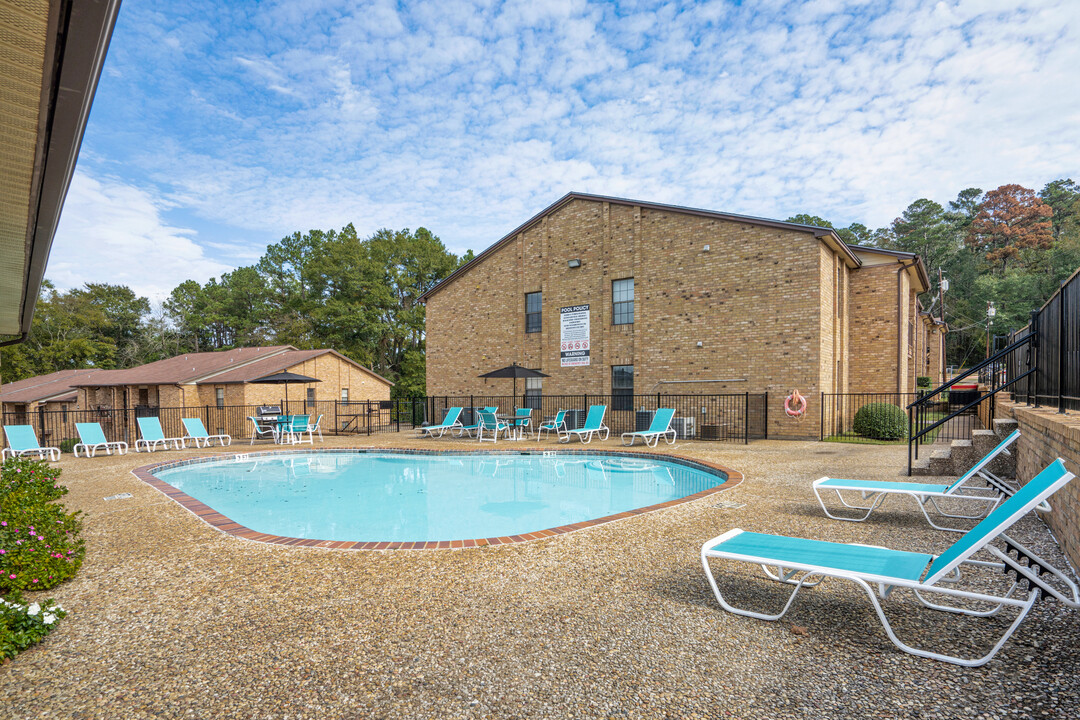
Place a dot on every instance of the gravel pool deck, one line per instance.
(171, 618)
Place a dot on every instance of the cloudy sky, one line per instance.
(220, 127)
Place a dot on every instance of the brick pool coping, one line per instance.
(226, 525)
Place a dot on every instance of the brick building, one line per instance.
(678, 301)
(56, 391)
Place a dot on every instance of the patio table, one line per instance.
(514, 421)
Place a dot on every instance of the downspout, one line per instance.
(900, 321)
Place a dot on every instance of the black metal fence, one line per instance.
(1053, 353)
(734, 418)
(838, 411)
(738, 417)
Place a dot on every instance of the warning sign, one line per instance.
(574, 336)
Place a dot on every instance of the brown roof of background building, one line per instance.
(277, 363)
(59, 386)
(182, 368)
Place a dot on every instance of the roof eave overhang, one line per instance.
(79, 40)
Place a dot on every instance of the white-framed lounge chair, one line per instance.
(262, 428)
(450, 421)
(880, 572)
(659, 427)
(298, 425)
(557, 424)
(594, 425)
(197, 432)
(153, 435)
(93, 439)
(873, 493)
(22, 440)
(489, 422)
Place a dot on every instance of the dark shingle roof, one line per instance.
(58, 385)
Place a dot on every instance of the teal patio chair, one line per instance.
(522, 421)
(92, 439)
(660, 427)
(557, 424)
(594, 425)
(294, 431)
(450, 421)
(153, 435)
(197, 432)
(880, 572)
(22, 440)
(492, 424)
(873, 493)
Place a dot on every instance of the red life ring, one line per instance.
(799, 403)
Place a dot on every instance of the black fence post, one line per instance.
(822, 427)
(1061, 351)
(1035, 356)
(765, 416)
(746, 418)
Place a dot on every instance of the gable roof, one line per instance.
(55, 386)
(182, 369)
(901, 256)
(277, 363)
(826, 234)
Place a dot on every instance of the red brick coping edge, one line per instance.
(217, 520)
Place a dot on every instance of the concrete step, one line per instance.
(921, 467)
(963, 453)
(1004, 426)
(941, 462)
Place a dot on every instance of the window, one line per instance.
(219, 393)
(345, 395)
(311, 395)
(839, 290)
(622, 387)
(532, 312)
(622, 302)
(533, 389)
(144, 396)
(63, 410)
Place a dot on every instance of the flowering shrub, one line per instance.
(23, 624)
(39, 541)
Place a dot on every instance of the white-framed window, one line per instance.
(344, 395)
(219, 394)
(311, 395)
(533, 390)
(533, 302)
(622, 301)
(622, 387)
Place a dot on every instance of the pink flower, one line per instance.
(12, 576)
(35, 579)
(3, 522)
(3, 552)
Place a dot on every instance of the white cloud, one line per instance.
(113, 232)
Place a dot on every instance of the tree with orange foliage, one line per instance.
(1011, 218)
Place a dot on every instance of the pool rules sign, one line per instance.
(574, 336)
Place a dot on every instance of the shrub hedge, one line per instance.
(881, 421)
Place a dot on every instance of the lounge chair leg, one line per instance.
(869, 509)
(750, 613)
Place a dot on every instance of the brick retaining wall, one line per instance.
(1044, 436)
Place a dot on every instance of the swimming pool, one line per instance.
(382, 497)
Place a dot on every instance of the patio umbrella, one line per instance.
(514, 371)
(284, 378)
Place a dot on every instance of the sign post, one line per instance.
(574, 336)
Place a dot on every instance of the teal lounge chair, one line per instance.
(153, 435)
(557, 424)
(22, 440)
(294, 432)
(873, 493)
(880, 572)
(449, 422)
(93, 439)
(660, 427)
(594, 425)
(492, 424)
(197, 432)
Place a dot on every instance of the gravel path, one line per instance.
(172, 619)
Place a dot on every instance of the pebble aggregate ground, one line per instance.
(172, 619)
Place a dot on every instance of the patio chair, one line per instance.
(594, 425)
(660, 427)
(93, 439)
(450, 421)
(317, 428)
(22, 440)
(522, 421)
(873, 493)
(489, 422)
(294, 431)
(881, 571)
(197, 432)
(558, 425)
(152, 435)
(261, 428)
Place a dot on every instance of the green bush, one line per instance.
(68, 445)
(23, 624)
(40, 545)
(923, 381)
(881, 421)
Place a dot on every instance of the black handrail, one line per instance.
(975, 368)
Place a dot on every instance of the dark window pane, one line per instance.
(532, 312)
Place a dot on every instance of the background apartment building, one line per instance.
(678, 300)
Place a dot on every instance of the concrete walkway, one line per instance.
(173, 619)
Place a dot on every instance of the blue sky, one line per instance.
(220, 127)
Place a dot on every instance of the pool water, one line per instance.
(404, 497)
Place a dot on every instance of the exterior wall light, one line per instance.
(575, 263)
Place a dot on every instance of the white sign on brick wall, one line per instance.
(574, 336)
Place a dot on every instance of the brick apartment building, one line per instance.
(679, 300)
